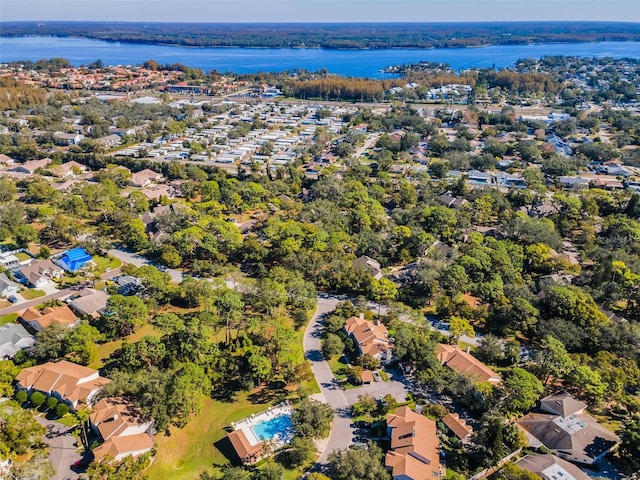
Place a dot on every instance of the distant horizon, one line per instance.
(320, 11)
(346, 22)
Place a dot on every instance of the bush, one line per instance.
(52, 402)
(21, 396)
(62, 409)
(37, 399)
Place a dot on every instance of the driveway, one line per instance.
(62, 450)
(394, 386)
(139, 261)
(341, 433)
(19, 307)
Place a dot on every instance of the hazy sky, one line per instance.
(319, 10)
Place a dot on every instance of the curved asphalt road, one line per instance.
(340, 436)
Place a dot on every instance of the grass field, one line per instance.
(189, 451)
(32, 294)
(9, 318)
(104, 263)
(106, 349)
(23, 256)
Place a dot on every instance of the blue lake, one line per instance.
(362, 63)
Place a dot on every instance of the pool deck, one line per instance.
(247, 424)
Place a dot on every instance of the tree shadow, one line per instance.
(272, 392)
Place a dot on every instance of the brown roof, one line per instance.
(71, 381)
(129, 445)
(38, 269)
(465, 363)
(89, 301)
(112, 416)
(414, 446)
(373, 339)
(367, 376)
(579, 436)
(46, 317)
(242, 446)
(562, 404)
(550, 467)
(457, 425)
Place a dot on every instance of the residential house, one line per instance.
(145, 177)
(39, 272)
(414, 452)
(68, 382)
(121, 132)
(9, 261)
(67, 139)
(128, 285)
(466, 364)
(122, 428)
(369, 265)
(155, 192)
(108, 141)
(89, 302)
(7, 287)
(13, 338)
(69, 169)
(370, 338)
(247, 452)
(550, 467)
(562, 425)
(31, 166)
(479, 178)
(39, 320)
(74, 259)
(451, 201)
(509, 180)
(558, 145)
(6, 160)
(573, 182)
(457, 425)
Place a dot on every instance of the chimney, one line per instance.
(468, 349)
(361, 315)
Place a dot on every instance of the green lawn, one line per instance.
(106, 349)
(9, 318)
(189, 451)
(104, 263)
(23, 256)
(32, 293)
(68, 420)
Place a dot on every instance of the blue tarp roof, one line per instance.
(76, 258)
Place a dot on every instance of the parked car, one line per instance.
(12, 299)
(362, 424)
(359, 444)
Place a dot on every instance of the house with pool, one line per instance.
(259, 435)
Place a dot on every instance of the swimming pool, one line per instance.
(267, 429)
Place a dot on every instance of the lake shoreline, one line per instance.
(362, 63)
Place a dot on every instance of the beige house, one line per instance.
(122, 428)
(40, 272)
(31, 166)
(145, 177)
(414, 453)
(39, 320)
(68, 382)
(466, 364)
(371, 339)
